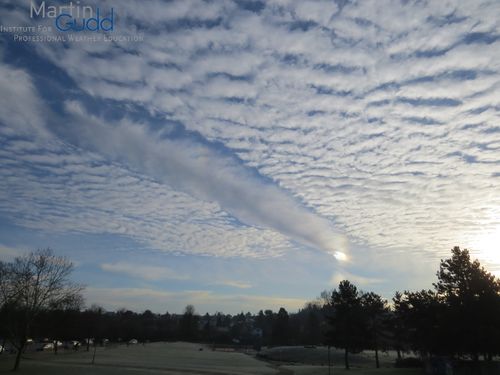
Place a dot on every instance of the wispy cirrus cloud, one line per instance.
(182, 166)
(8, 253)
(20, 106)
(208, 175)
(234, 284)
(363, 281)
(60, 189)
(203, 300)
(146, 272)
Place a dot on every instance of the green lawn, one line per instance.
(323, 370)
(155, 358)
(186, 359)
(319, 356)
(299, 360)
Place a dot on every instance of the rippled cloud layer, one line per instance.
(247, 128)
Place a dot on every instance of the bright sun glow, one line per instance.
(488, 246)
(340, 256)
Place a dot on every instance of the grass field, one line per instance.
(155, 358)
(299, 360)
(319, 356)
(322, 370)
(175, 359)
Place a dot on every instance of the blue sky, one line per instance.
(243, 155)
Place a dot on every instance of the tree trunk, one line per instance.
(95, 349)
(399, 353)
(377, 363)
(346, 358)
(18, 355)
(329, 362)
(22, 345)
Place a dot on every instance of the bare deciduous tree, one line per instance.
(31, 284)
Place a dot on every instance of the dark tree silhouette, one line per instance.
(422, 317)
(398, 326)
(375, 318)
(189, 324)
(281, 327)
(310, 321)
(32, 284)
(346, 320)
(265, 321)
(461, 317)
(472, 299)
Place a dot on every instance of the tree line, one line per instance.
(39, 301)
(459, 317)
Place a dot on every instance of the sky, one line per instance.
(241, 155)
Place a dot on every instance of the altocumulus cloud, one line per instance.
(186, 166)
(379, 117)
(208, 175)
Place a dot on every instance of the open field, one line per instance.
(323, 370)
(299, 360)
(319, 356)
(171, 359)
(155, 358)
